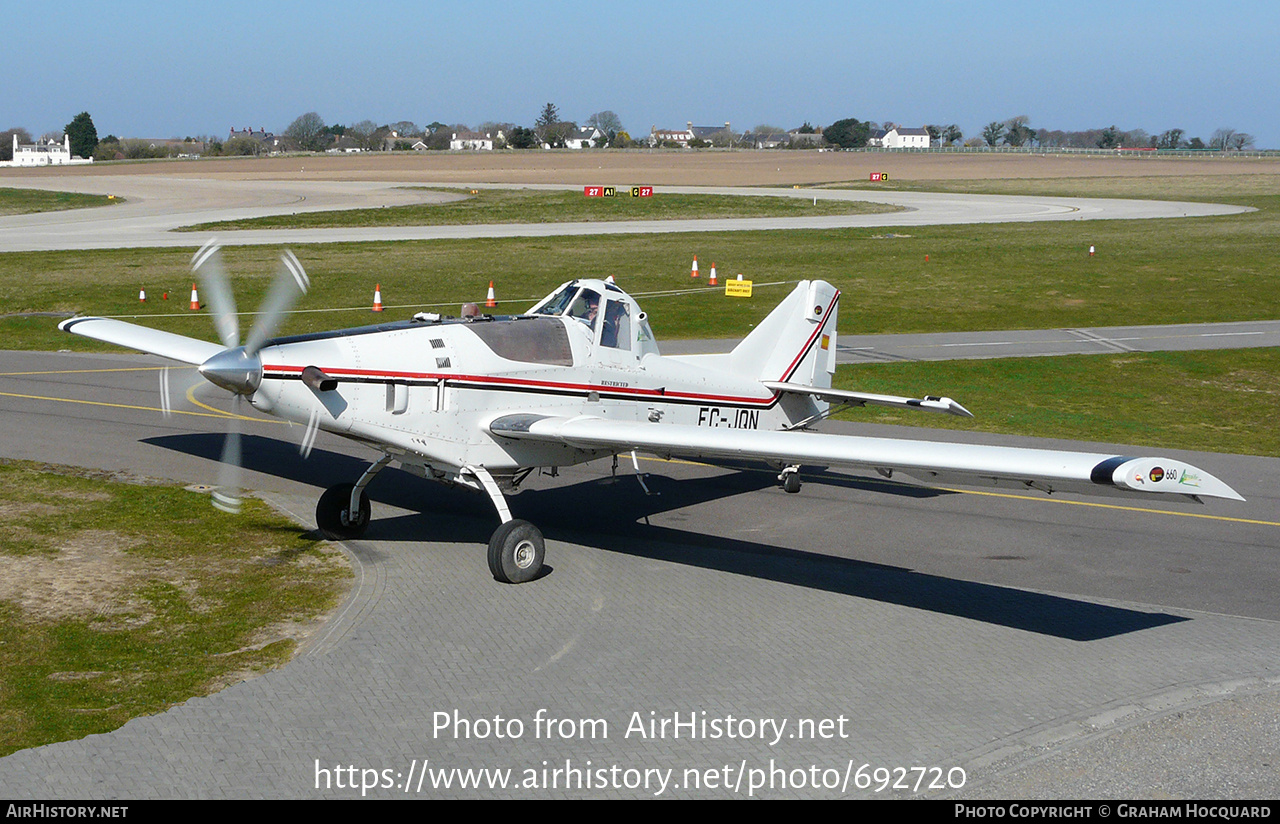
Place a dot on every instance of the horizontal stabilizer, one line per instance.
(164, 344)
(1017, 467)
(931, 403)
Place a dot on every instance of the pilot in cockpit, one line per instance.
(585, 308)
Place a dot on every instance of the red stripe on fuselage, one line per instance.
(285, 370)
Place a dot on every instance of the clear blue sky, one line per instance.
(176, 69)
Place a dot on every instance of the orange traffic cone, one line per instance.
(694, 273)
(195, 299)
(712, 280)
(142, 295)
(377, 297)
(491, 300)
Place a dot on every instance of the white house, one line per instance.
(584, 138)
(473, 141)
(682, 136)
(897, 137)
(690, 133)
(44, 154)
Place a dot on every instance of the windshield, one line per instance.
(557, 302)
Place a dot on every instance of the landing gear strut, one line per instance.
(334, 513)
(343, 510)
(516, 550)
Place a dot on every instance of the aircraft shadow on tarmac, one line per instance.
(612, 514)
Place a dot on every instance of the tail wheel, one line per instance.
(334, 516)
(516, 552)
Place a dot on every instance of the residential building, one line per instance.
(584, 138)
(659, 136)
(472, 141)
(50, 153)
(267, 142)
(898, 137)
(711, 134)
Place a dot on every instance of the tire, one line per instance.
(792, 483)
(516, 552)
(333, 518)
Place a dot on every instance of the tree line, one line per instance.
(309, 132)
(1016, 132)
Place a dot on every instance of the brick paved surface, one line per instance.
(625, 634)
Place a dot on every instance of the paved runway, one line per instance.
(882, 624)
(1029, 343)
(155, 206)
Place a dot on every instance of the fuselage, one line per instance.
(426, 390)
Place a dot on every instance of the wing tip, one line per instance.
(1162, 475)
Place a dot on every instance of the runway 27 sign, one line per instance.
(611, 191)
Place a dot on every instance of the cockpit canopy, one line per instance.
(612, 316)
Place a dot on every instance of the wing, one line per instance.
(1047, 470)
(165, 344)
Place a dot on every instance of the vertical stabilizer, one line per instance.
(796, 343)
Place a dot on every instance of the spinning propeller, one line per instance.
(238, 368)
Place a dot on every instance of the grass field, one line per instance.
(528, 206)
(137, 597)
(28, 201)
(1035, 275)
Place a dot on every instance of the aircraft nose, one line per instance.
(234, 370)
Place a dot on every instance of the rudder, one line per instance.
(796, 342)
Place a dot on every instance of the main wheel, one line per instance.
(334, 517)
(516, 551)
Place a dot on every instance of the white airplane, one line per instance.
(483, 401)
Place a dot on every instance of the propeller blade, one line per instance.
(166, 407)
(290, 284)
(309, 436)
(175, 384)
(227, 496)
(207, 265)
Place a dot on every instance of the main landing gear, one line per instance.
(790, 479)
(516, 550)
(343, 510)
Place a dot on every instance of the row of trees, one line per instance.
(309, 132)
(1016, 132)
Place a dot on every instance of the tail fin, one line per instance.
(796, 343)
